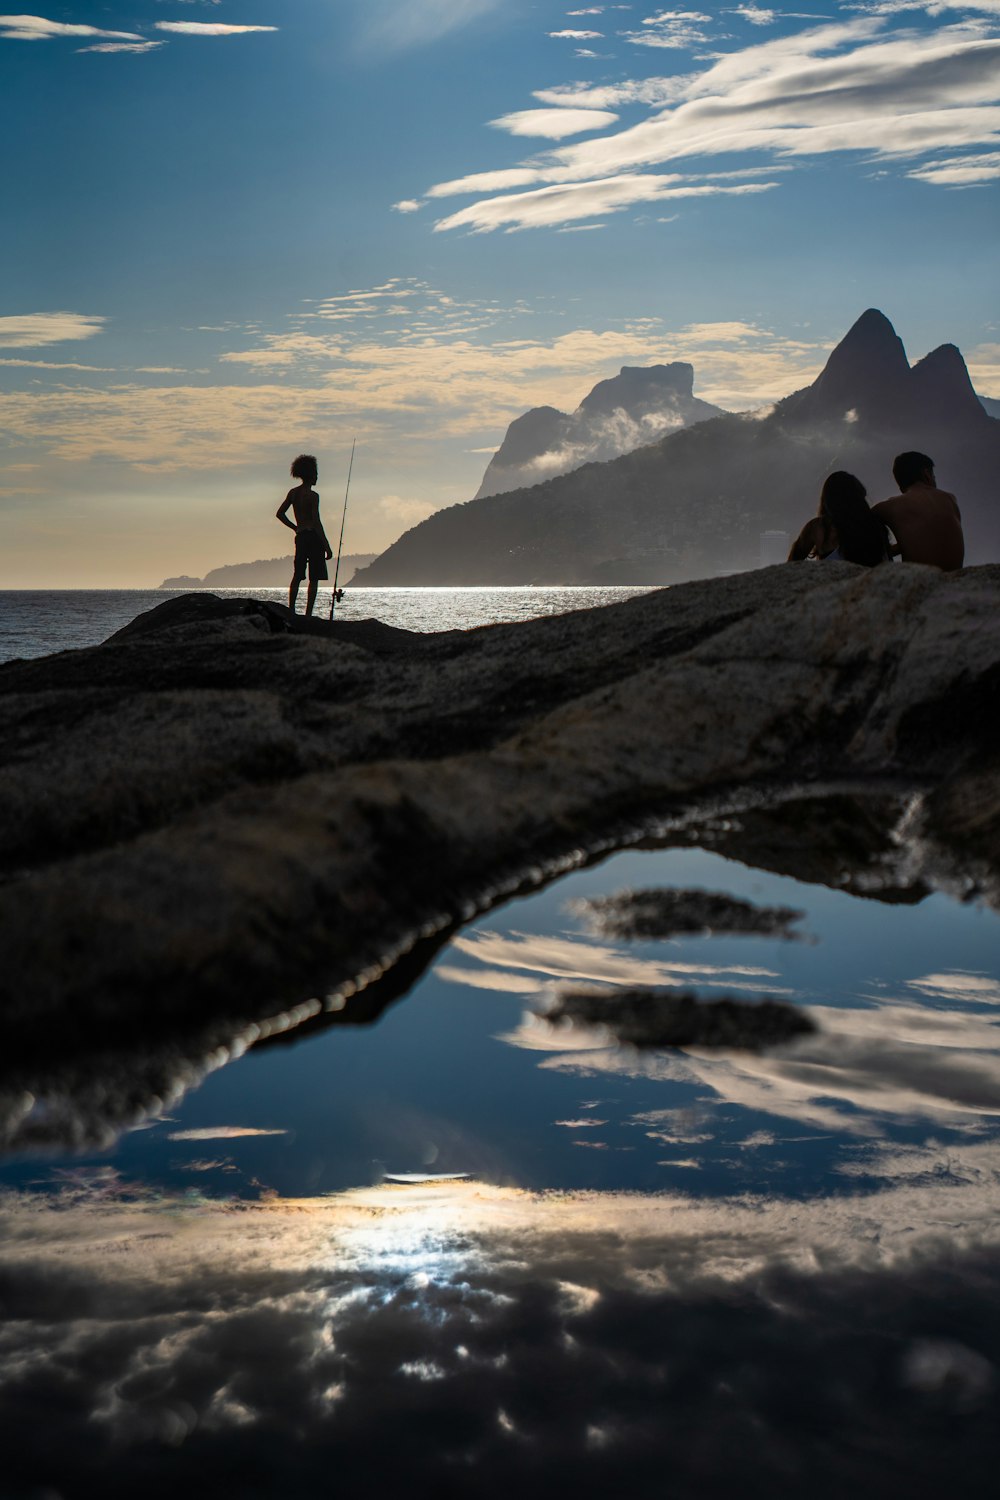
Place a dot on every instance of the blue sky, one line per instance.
(241, 229)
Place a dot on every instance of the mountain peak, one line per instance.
(636, 387)
(637, 406)
(867, 374)
(872, 324)
(942, 386)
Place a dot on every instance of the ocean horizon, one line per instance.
(38, 622)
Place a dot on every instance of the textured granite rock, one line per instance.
(212, 821)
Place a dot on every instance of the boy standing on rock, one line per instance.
(925, 521)
(312, 550)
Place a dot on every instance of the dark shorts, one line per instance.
(310, 553)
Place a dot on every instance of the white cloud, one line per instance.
(207, 28)
(844, 86)
(984, 367)
(44, 364)
(407, 205)
(38, 29)
(35, 330)
(554, 123)
(755, 14)
(221, 1133)
(579, 36)
(551, 206)
(673, 29)
(960, 171)
(447, 369)
(930, 7)
(123, 47)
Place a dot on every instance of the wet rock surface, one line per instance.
(212, 822)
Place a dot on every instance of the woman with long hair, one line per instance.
(844, 528)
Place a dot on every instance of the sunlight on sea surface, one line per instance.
(37, 623)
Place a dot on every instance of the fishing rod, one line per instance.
(343, 522)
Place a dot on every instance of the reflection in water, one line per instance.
(461, 1338)
(784, 1280)
(891, 1061)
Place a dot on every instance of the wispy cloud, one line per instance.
(930, 7)
(45, 364)
(552, 206)
(207, 28)
(960, 171)
(123, 47)
(399, 351)
(675, 30)
(755, 14)
(396, 25)
(38, 29)
(35, 330)
(841, 87)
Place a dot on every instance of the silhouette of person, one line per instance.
(925, 521)
(845, 528)
(312, 550)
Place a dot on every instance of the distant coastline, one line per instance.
(270, 572)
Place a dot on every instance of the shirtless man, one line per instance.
(925, 521)
(312, 550)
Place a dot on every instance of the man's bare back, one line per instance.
(927, 524)
(305, 508)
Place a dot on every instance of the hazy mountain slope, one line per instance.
(269, 572)
(636, 407)
(696, 502)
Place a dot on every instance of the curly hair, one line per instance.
(305, 467)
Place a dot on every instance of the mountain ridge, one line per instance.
(697, 501)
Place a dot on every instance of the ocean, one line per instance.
(37, 622)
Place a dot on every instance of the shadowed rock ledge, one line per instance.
(211, 820)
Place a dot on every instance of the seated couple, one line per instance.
(924, 520)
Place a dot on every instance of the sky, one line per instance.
(236, 230)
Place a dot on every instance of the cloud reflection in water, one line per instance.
(460, 1339)
(862, 1069)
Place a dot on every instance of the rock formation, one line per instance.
(695, 503)
(636, 407)
(215, 827)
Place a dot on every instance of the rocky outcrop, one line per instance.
(214, 827)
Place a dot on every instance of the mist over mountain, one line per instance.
(637, 406)
(696, 502)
